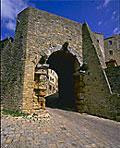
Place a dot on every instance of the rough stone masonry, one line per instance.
(39, 33)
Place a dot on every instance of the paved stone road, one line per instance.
(64, 130)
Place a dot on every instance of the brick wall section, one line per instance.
(96, 88)
(13, 60)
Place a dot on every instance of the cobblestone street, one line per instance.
(65, 129)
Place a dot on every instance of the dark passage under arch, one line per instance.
(64, 64)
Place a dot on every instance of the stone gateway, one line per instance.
(45, 41)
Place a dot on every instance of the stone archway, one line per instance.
(65, 64)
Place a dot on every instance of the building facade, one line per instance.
(112, 50)
(53, 82)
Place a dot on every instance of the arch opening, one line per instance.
(65, 64)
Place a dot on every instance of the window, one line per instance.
(50, 87)
(97, 40)
(111, 52)
(51, 79)
(111, 63)
(110, 42)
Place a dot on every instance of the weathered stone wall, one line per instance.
(114, 107)
(12, 67)
(4, 42)
(113, 74)
(5, 59)
(100, 41)
(112, 48)
(44, 31)
(96, 89)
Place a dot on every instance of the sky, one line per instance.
(103, 16)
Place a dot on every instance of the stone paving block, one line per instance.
(78, 131)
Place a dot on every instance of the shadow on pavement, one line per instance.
(53, 101)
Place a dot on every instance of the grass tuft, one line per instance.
(13, 113)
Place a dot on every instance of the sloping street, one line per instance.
(64, 129)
